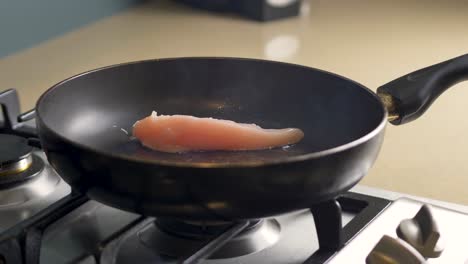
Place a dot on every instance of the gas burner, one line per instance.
(167, 235)
(268, 238)
(15, 158)
(22, 176)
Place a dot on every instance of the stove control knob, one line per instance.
(422, 233)
(391, 250)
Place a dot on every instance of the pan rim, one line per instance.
(292, 159)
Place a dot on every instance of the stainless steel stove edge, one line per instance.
(390, 195)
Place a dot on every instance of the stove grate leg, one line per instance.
(327, 217)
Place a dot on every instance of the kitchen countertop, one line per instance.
(369, 41)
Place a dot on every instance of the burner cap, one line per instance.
(15, 154)
(14, 148)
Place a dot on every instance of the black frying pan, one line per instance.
(82, 123)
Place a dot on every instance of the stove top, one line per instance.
(44, 221)
(30, 191)
(76, 230)
(28, 184)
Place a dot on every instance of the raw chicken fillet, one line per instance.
(183, 133)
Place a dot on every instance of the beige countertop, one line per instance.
(369, 41)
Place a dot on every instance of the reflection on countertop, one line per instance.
(369, 41)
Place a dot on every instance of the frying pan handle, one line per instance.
(408, 97)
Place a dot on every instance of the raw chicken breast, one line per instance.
(182, 133)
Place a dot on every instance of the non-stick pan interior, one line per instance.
(97, 109)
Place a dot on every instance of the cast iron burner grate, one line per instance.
(21, 244)
(12, 121)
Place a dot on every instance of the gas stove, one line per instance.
(44, 221)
